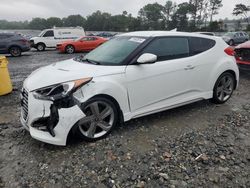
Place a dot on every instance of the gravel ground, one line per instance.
(198, 145)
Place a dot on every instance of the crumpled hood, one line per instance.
(65, 71)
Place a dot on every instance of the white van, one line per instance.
(48, 38)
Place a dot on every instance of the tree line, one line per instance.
(192, 15)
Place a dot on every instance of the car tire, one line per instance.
(40, 47)
(69, 49)
(15, 51)
(223, 88)
(231, 42)
(101, 118)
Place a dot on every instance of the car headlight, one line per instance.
(60, 91)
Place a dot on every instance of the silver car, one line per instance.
(233, 38)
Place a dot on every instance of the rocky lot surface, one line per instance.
(198, 145)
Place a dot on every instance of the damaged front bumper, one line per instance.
(46, 121)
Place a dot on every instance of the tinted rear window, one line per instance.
(199, 45)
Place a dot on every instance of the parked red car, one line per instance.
(79, 45)
(242, 54)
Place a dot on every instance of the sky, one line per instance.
(20, 10)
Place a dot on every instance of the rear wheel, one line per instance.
(40, 47)
(223, 88)
(15, 51)
(231, 42)
(101, 118)
(69, 49)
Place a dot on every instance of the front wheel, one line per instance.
(70, 49)
(40, 47)
(101, 118)
(15, 51)
(223, 88)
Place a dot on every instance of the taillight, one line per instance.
(230, 51)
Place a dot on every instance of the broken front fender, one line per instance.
(68, 117)
(56, 119)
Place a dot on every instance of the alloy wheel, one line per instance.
(99, 120)
(225, 88)
(70, 49)
(40, 47)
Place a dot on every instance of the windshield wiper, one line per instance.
(82, 59)
(91, 61)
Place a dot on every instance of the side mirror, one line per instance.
(147, 58)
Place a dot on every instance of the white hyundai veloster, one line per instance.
(132, 75)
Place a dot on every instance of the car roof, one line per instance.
(8, 33)
(164, 33)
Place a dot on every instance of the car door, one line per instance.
(237, 38)
(49, 38)
(242, 37)
(3, 43)
(86, 43)
(163, 83)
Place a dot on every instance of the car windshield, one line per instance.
(228, 34)
(77, 39)
(115, 51)
(41, 34)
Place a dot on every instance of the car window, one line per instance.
(199, 45)
(49, 33)
(92, 38)
(5, 36)
(168, 48)
(88, 39)
(241, 34)
(236, 35)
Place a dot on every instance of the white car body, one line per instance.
(138, 89)
(60, 35)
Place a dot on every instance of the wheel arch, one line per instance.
(73, 129)
(225, 64)
(14, 45)
(112, 99)
(41, 43)
(227, 71)
(69, 45)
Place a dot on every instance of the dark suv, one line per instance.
(14, 44)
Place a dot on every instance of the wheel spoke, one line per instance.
(95, 109)
(219, 89)
(228, 83)
(86, 119)
(221, 97)
(227, 91)
(104, 125)
(106, 112)
(91, 130)
(223, 81)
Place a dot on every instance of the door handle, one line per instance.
(189, 67)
